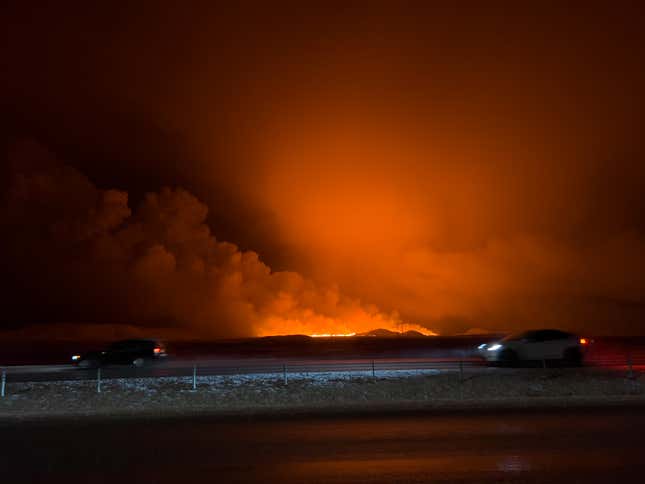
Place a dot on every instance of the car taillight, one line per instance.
(157, 350)
(584, 341)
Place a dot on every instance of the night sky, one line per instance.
(209, 171)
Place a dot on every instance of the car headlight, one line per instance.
(481, 346)
(76, 357)
(495, 347)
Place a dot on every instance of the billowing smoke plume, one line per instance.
(460, 173)
(79, 254)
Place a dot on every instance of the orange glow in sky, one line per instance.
(324, 171)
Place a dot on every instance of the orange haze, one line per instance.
(329, 169)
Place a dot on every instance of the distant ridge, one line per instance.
(386, 333)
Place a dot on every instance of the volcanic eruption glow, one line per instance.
(331, 335)
(322, 171)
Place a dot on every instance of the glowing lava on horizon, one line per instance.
(362, 323)
(331, 335)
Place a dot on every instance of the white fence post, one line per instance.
(194, 377)
(98, 380)
(3, 385)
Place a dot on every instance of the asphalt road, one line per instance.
(242, 366)
(589, 446)
(361, 355)
(262, 355)
(238, 366)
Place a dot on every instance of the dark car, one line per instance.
(136, 352)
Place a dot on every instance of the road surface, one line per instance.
(246, 366)
(238, 366)
(360, 356)
(588, 446)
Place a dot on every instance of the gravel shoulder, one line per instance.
(326, 393)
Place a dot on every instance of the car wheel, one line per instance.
(573, 356)
(139, 362)
(508, 357)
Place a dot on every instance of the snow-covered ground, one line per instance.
(313, 378)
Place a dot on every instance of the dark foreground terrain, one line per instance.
(574, 445)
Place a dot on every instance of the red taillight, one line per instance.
(157, 350)
(584, 341)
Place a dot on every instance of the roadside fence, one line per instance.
(629, 366)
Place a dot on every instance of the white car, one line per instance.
(542, 344)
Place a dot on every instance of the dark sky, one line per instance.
(468, 166)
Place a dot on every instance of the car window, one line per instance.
(141, 345)
(524, 336)
(532, 336)
(129, 345)
(118, 346)
(513, 337)
(552, 335)
(539, 336)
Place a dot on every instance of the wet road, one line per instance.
(592, 445)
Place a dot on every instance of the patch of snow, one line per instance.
(264, 381)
